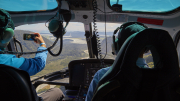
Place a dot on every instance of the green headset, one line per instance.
(56, 25)
(6, 29)
(118, 41)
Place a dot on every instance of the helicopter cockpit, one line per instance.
(78, 35)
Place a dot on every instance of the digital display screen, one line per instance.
(82, 74)
(78, 75)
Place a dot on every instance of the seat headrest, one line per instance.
(16, 84)
(163, 51)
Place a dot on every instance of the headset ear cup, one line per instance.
(113, 49)
(114, 45)
(53, 25)
(56, 28)
(8, 34)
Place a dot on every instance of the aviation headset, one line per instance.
(118, 41)
(56, 25)
(6, 28)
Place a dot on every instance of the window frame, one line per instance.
(144, 12)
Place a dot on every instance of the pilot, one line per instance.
(31, 65)
(127, 29)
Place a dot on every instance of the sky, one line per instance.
(72, 26)
(24, 5)
(147, 5)
(137, 5)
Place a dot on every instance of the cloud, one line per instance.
(110, 27)
(40, 27)
(72, 26)
(75, 26)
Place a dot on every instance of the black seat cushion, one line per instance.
(15, 85)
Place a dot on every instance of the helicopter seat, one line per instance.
(15, 85)
(125, 81)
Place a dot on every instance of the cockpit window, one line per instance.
(149, 59)
(147, 5)
(106, 42)
(28, 5)
(74, 45)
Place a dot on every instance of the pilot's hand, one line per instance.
(39, 40)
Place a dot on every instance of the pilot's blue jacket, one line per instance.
(31, 65)
(140, 62)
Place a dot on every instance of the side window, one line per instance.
(149, 59)
(110, 27)
(74, 45)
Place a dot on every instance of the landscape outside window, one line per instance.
(110, 27)
(74, 46)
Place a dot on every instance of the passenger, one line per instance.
(123, 34)
(31, 65)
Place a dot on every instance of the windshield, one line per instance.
(28, 5)
(74, 45)
(105, 39)
(147, 5)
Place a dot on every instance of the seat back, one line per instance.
(15, 85)
(127, 82)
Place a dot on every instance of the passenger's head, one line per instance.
(126, 30)
(6, 28)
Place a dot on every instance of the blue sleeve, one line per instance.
(92, 87)
(35, 65)
(95, 82)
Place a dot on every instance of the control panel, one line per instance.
(90, 70)
(81, 72)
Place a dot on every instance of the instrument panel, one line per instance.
(80, 4)
(81, 72)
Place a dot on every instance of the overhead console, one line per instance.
(80, 4)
